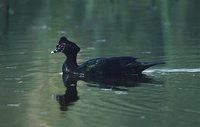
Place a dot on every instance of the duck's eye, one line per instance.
(62, 45)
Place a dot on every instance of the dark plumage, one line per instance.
(125, 65)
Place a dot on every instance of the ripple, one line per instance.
(44, 113)
(11, 67)
(192, 111)
(121, 92)
(19, 91)
(170, 70)
(62, 32)
(13, 105)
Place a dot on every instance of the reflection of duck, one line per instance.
(114, 83)
(99, 66)
(71, 94)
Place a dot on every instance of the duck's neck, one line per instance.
(70, 64)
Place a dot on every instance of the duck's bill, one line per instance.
(59, 48)
(55, 51)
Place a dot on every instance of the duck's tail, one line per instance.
(138, 67)
(146, 65)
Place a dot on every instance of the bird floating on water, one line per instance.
(103, 66)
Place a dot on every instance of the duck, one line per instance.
(102, 66)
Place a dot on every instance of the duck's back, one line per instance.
(106, 66)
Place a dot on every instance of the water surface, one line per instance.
(30, 78)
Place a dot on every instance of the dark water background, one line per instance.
(151, 30)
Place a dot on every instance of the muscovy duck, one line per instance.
(124, 65)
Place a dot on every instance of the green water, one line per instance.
(151, 30)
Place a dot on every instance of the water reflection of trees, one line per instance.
(131, 26)
(116, 21)
(5, 14)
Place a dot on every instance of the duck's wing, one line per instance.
(91, 65)
(122, 61)
(100, 66)
(112, 61)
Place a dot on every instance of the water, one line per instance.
(30, 83)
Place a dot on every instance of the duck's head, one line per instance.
(67, 47)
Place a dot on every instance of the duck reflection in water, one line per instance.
(114, 83)
(117, 82)
(71, 94)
